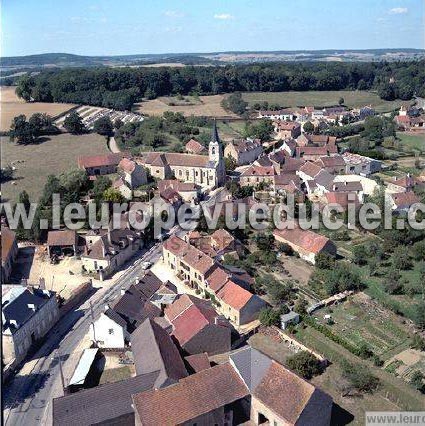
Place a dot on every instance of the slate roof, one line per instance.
(102, 403)
(17, 309)
(154, 350)
(192, 397)
(148, 284)
(347, 186)
(246, 145)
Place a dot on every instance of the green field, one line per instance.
(34, 163)
(409, 142)
(353, 99)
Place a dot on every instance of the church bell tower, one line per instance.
(216, 155)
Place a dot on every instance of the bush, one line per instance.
(269, 317)
(359, 377)
(304, 364)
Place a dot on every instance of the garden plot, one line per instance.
(406, 363)
(361, 321)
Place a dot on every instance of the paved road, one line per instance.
(28, 399)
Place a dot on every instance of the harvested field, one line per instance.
(11, 106)
(34, 163)
(208, 106)
(353, 99)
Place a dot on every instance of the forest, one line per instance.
(120, 88)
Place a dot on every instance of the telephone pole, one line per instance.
(61, 371)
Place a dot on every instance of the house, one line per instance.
(197, 362)
(154, 350)
(406, 183)
(321, 184)
(249, 389)
(62, 242)
(207, 171)
(123, 188)
(189, 192)
(9, 251)
(314, 152)
(254, 175)
(196, 326)
(194, 147)
(28, 314)
(334, 165)
(238, 304)
(243, 151)
(289, 183)
(109, 403)
(306, 243)
(291, 318)
(96, 165)
(132, 174)
(402, 201)
(106, 252)
(287, 129)
(286, 114)
(343, 199)
(289, 146)
(352, 187)
(406, 120)
(144, 299)
(360, 165)
(316, 140)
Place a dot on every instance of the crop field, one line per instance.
(34, 163)
(209, 106)
(11, 106)
(353, 99)
(361, 320)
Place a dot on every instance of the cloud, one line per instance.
(223, 16)
(398, 10)
(174, 14)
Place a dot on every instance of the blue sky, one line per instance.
(111, 27)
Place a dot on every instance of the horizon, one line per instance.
(242, 26)
(330, 50)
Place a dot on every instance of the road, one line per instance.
(27, 399)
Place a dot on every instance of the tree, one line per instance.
(73, 123)
(265, 242)
(230, 163)
(269, 317)
(6, 174)
(286, 249)
(417, 381)
(325, 261)
(103, 126)
(113, 196)
(308, 127)
(118, 123)
(419, 315)
(235, 103)
(341, 101)
(401, 259)
(304, 364)
(301, 305)
(262, 129)
(360, 255)
(21, 131)
(359, 377)
(100, 185)
(386, 91)
(418, 343)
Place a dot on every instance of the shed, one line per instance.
(289, 318)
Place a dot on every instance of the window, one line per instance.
(111, 331)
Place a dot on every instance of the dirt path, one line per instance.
(113, 146)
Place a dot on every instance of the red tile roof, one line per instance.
(310, 169)
(99, 160)
(287, 125)
(405, 199)
(195, 147)
(62, 238)
(234, 295)
(192, 397)
(258, 171)
(306, 239)
(342, 198)
(198, 362)
(127, 165)
(8, 238)
(174, 159)
(217, 278)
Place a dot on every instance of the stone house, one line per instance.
(360, 165)
(9, 251)
(28, 313)
(306, 243)
(406, 183)
(133, 174)
(254, 175)
(243, 151)
(287, 129)
(106, 252)
(96, 165)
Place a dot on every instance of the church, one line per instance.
(207, 171)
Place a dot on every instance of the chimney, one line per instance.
(345, 183)
(334, 188)
(42, 283)
(107, 307)
(14, 323)
(122, 291)
(31, 306)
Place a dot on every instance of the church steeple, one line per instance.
(214, 137)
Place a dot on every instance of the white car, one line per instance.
(146, 265)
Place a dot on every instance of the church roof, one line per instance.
(214, 136)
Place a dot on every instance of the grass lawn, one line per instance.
(112, 375)
(409, 142)
(353, 99)
(35, 162)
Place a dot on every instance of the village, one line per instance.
(220, 326)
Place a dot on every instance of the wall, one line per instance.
(102, 335)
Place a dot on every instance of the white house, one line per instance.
(109, 330)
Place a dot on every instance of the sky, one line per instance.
(112, 27)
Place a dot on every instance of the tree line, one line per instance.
(119, 88)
